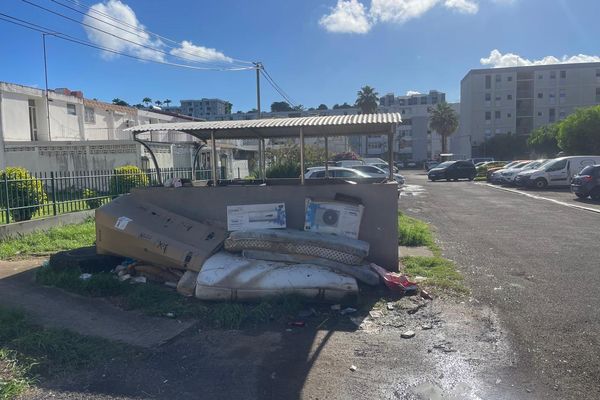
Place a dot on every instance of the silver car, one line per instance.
(376, 172)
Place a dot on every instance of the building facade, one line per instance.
(518, 100)
(202, 108)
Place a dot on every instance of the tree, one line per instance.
(285, 162)
(299, 107)
(167, 102)
(579, 133)
(443, 120)
(228, 107)
(280, 106)
(367, 99)
(138, 106)
(349, 155)
(339, 107)
(544, 140)
(146, 101)
(158, 103)
(117, 101)
(505, 147)
(322, 107)
(336, 106)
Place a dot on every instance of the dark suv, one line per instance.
(454, 170)
(587, 183)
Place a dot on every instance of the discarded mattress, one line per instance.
(363, 273)
(130, 227)
(340, 249)
(226, 276)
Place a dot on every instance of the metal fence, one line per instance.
(52, 193)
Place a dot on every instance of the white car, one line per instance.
(377, 172)
(497, 176)
(556, 172)
(508, 175)
(334, 172)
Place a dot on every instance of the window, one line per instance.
(424, 100)
(488, 96)
(552, 97)
(540, 76)
(556, 166)
(71, 110)
(498, 97)
(509, 78)
(497, 115)
(498, 131)
(552, 74)
(540, 95)
(89, 116)
(498, 78)
(508, 115)
(509, 97)
(552, 115)
(488, 81)
(33, 131)
(598, 95)
(488, 116)
(562, 114)
(563, 74)
(540, 113)
(562, 95)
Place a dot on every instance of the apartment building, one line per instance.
(202, 108)
(519, 99)
(72, 133)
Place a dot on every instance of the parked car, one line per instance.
(497, 175)
(346, 163)
(587, 183)
(453, 170)
(508, 175)
(430, 164)
(557, 172)
(411, 164)
(334, 172)
(383, 166)
(376, 172)
(491, 170)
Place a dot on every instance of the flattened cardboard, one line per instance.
(130, 227)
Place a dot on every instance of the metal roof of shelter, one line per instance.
(331, 125)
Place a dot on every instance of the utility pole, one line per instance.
(258, 66)
(261, 141)
(46, 78)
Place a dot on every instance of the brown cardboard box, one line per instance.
(131, 227)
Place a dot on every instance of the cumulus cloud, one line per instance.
(499, 60)
(412, 93)
(348, 16)
(103, 15)
(352, 16)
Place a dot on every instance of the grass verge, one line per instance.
(157, 300)
(28, 351)
(414, 232)
(441, 273)
(480, 179)
(55, 239)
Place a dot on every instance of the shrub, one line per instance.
(91, 198)
(284, 170)
(23, 190)
(126, 178)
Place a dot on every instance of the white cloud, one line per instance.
(136, 34)
(348, 16)
(499, 60)
(412, 93)
(199, 53)
(400, 11)
(464, 6)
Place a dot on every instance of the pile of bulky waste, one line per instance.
(256, 256)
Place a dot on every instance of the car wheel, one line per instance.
(447, 179)
(433, 180)
(581, 195)
(540, 183)
(595, 194)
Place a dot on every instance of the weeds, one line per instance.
(440, 273)
(414, 232)
(55, 239)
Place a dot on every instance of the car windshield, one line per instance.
(520, 165)
(445, 164)
(555, 165)
(511, 164)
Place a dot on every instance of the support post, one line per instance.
(53, 188)
(258, 67)
(301, 156)
(326, 157)
(263, 159)
(391, 151)
(213, 157)
(46, 78)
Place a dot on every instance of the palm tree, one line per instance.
(158, 103)
(167, 102)
(443, 120)
(146, 101)
(367, 100)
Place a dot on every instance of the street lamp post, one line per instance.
(46, 79)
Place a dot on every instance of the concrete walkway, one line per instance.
(55, 308)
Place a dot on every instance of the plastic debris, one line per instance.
(171, 285)
(85, 277)
(120, 268)
(395, 281)
(124, 277)
(170, 315)
(138, 279)
(353, 368)
(426, 295)
(336, 307)
(390, 306)
(375, 314)
(407, 334)
(348, 310)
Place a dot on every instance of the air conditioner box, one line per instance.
(334, 217)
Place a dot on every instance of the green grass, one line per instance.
(28, 351)
(480, 179)
(441, 273)
(55, 239)
(158, 300)
(414, 232)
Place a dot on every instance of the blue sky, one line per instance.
(318, 51)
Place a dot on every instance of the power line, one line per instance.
(82, 5)
(275, 86)
(69, 38)
(106, 32)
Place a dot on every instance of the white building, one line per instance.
(202, 108)
(519, 99)
(85, 135)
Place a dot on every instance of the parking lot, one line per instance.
(532, 256)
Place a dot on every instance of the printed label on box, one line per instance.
(256, 216)
(122, 222)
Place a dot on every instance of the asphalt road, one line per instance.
(536, 263)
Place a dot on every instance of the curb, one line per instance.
(562, 203)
